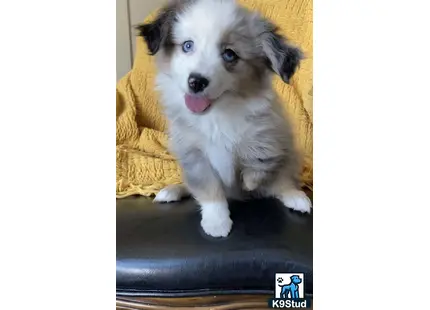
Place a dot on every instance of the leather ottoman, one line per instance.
(164, 259)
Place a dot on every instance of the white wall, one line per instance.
(128, 14)
(123, 46)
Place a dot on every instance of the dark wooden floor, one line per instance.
(236, 302)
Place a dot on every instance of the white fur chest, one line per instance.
(223, 125)
(222, 130)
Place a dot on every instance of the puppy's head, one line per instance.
(214, 47)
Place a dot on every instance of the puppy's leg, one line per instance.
(288, 193)
(260, 162)
(171, 193)
(207, 189)
(258, 170)
(252, 179)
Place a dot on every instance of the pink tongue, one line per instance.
(197, 104)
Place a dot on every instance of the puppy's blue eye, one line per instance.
(229, 55)
(188, 46)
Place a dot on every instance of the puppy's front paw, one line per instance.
(216, 220)
(217, 228)
(297, 200)
(171, 193)
(250, 182)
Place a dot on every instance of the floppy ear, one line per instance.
(283, 57)
(157, 34)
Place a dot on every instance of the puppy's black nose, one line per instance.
(197, 82)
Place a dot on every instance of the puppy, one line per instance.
(215, 63)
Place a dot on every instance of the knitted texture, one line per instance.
(143, 163)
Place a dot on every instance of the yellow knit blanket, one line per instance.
(143, 164)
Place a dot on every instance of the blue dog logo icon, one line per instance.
(290, 290)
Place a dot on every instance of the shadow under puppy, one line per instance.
(227, 129)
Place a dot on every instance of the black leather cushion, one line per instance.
(162, 250)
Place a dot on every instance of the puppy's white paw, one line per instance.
(250, 183)
(171, 193)
(218, 227)
(216, 220)
(297, 200)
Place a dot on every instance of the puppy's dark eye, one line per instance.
(188, 46)
(229, 55)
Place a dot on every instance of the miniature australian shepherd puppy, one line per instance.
(227, 129)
